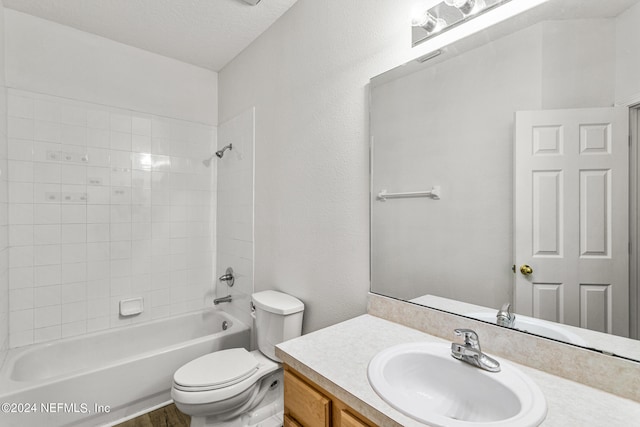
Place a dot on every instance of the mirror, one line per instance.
(489, 123)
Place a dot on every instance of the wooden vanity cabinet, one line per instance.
(308, 405)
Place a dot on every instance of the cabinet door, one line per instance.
(290, 422)
(348, 420)
(305, 404)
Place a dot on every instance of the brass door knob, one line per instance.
(525, 269)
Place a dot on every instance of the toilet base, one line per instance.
(268, 413)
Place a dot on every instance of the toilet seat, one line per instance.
(219, 391)
(216, 370)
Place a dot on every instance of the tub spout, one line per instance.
(223, 299)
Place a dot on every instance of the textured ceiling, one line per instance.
(207, 33)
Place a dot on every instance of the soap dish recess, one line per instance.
(131, 306)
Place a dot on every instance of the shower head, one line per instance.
(220, 153)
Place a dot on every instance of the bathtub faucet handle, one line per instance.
(228, 277)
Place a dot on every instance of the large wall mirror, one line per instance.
(524, 132)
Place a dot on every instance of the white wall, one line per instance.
(307, 77)
(4, 242)
(49, 58)
(234, 219)
(627, 48)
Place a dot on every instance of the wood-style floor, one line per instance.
(167, 416)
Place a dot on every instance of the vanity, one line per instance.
(326, 381)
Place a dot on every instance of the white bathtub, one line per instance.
(108, 376)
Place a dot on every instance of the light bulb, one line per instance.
(456, 3)
(467, 7)
(429, 23)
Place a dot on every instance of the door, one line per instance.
(571, 207)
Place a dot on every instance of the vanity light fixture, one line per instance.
(448, 14)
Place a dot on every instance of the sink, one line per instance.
(424, 382)
(535, 326)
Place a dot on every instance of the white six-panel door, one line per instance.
(571, 217)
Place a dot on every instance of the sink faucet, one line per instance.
(505, 317)
(471, 353)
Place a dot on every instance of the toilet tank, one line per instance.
(278, 318)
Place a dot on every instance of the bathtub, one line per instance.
(109, 376)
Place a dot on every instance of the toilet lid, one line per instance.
(215, 370)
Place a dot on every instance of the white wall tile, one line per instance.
(73, 135)
(73, 273)
(20, 128)
(20, 106)
(20, 149)
(46, 255)
(72, 114)
(73, 214)
(46, 295)
(73, 329)
(120, 122)
(97, 119)
(74, 312)
(47, 110)
(141, 125)
(20, 171)
(46, 234)
(21, 299)
(73, 233)
(21, 277)
(99, 138)
(120, 141)
(46, 173)
(46, 214)
(21, 256)
(21, 235)
(20, 320)
(47, 132)
(73, 253)
(46, 275)
(47, 333)
(141, 143)
(74, 292)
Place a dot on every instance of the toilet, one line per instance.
(236, 387)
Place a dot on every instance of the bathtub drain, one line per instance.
(225, 325)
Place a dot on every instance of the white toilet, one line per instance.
(238, 388)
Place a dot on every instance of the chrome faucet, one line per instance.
(471, 353)
(222, 299)
(505, 317)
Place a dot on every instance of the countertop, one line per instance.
(336, 358)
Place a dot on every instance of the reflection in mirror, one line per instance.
(524, 129)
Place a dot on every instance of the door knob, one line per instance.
(526, 270)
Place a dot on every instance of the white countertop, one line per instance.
(336, 358)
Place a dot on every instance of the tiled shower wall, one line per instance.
(105, 204)
(235, 211)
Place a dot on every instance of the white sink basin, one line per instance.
(535, 326)
(423, 381)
